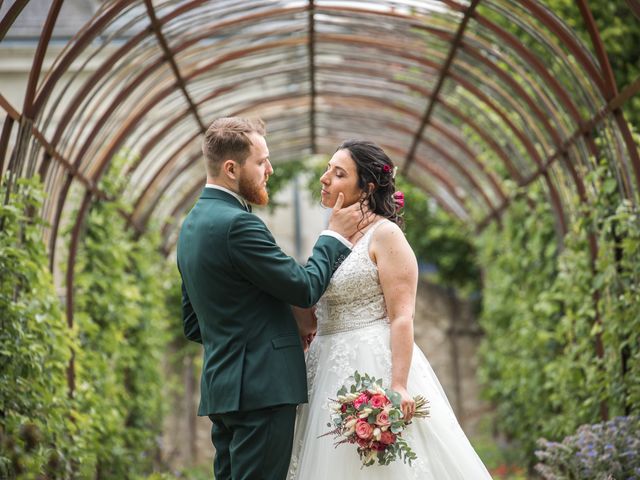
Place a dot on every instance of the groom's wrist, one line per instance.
(337, 236)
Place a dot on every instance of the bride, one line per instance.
(365, 323)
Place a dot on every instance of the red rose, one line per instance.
(387, 438)
(363, 398)
(343, 408)
(364, 430)
(379, 401)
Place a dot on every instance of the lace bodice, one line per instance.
(354, 298)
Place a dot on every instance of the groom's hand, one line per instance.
(306, 341)
(348, 220)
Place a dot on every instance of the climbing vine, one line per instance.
(35, 345)
(546, 309)
(109, 424)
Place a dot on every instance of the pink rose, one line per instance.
(382, 419)
(387, 438)
(378, 401)
(363, 398)
(364, 430)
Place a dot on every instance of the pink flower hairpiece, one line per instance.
(398, 197)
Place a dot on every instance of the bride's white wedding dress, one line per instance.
(353, 334)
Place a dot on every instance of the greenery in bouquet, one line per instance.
(603, 451)
(370, 417)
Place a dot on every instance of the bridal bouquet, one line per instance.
(370, 417)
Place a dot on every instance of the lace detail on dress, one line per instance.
(354, 298)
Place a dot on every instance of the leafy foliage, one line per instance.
(121, 322)
(35, 346)
(439, 239)
(109, 426)
(545, 310)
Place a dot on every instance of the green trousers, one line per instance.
(253, 445)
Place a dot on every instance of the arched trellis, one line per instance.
(454, 96)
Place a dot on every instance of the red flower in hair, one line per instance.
(386, 168)
(399, 199)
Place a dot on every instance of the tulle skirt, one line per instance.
(442, 448)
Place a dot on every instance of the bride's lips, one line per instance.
(323, 192)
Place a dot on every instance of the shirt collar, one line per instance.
(242, 201)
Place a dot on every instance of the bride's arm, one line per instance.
(398, 270)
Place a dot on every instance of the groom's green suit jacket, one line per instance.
(237, 288)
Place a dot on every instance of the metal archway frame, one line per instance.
(426, 72)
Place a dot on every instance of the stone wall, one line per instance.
(447, 332)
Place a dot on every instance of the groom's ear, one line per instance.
(230, 169)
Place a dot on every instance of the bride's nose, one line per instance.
(324, 179)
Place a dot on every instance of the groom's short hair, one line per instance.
(228, 138)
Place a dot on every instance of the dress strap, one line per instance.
(372, 229)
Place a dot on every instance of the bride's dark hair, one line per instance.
(374, 166)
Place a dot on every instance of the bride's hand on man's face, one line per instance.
(348, 220)
(408, 404)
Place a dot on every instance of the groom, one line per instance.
(237, 288)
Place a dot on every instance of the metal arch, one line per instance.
(548, 20)
(250, 107)
(513, 42)
(81, 43)
(387, 47)
(565, 99)
(376, 12)
(36, 101)
(312, 74)
(170, 58)
(239, 20)
(10, 16)
(28, 109)
(611, 89)
(159, 173)
(93, 31)
(551, 22)
(631, 90)
(444, 71)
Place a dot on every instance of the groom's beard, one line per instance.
(252, 192)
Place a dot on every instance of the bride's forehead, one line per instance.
(342, 158)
